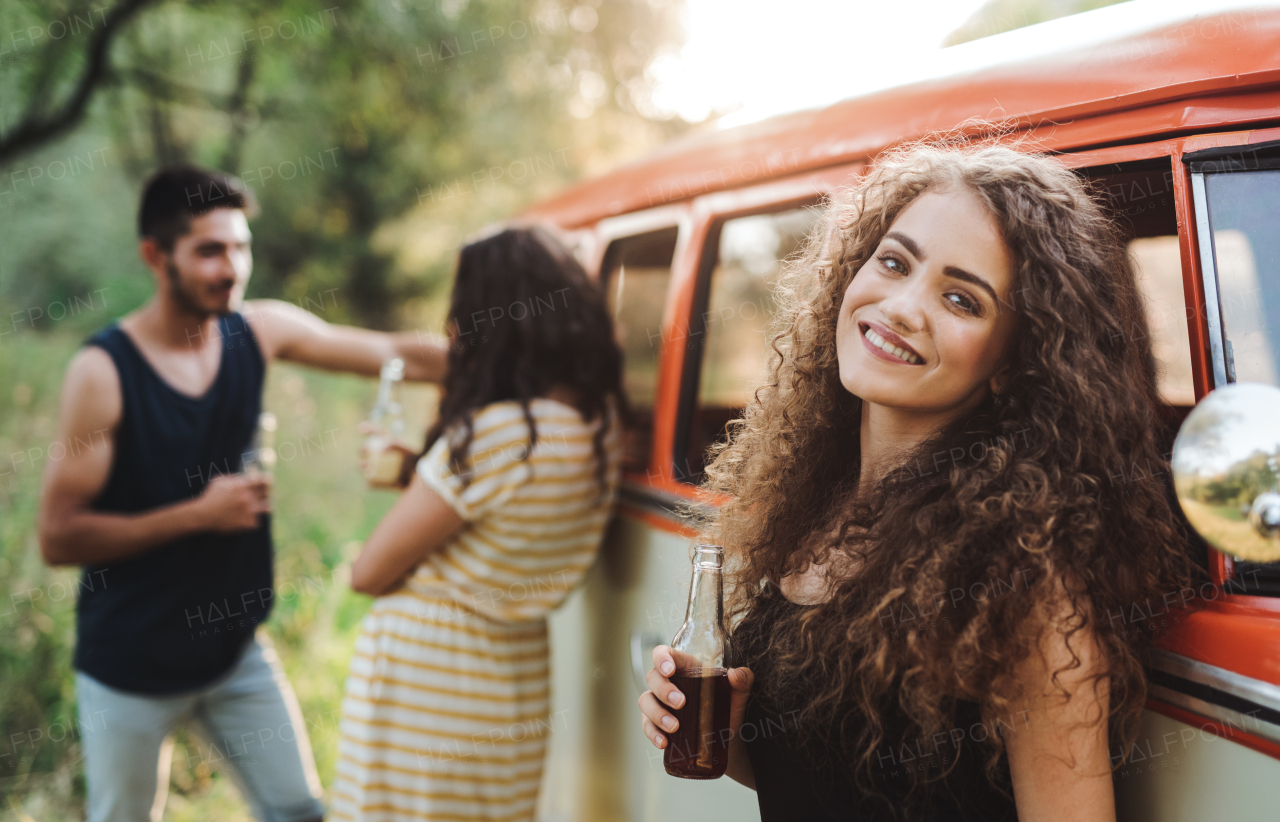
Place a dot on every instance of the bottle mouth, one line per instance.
(708, 556)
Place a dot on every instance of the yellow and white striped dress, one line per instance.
(446, 713)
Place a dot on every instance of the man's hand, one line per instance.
(233, 502)
(71, 531)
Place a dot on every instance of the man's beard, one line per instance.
(185, 296)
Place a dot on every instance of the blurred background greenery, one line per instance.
(376, 134)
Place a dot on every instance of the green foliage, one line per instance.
(1241, 484)
(376, 135)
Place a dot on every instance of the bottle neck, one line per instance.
(388, 409)
(705, 600)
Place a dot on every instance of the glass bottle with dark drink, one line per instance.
(699, 747)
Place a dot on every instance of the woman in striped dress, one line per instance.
(446, 713)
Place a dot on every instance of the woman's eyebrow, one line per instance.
(951, 270)
(907, 243)
(961, 274)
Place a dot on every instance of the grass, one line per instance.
(1224, 525)
(322, 513)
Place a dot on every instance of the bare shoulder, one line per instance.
(276, 323)
(92, 369)
(91, 390)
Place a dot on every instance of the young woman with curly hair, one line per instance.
(924, 531)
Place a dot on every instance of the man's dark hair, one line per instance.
(176, 194)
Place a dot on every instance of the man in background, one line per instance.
(163, 516)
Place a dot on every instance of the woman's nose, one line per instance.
(904, 309)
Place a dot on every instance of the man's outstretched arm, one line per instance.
(288, 332)
(71, 533)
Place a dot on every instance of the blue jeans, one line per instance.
(249, 719)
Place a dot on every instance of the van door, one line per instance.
(634, 596)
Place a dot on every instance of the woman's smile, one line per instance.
(886, 345)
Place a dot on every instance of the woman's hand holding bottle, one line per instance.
(662, 697)
(385, 459)
(385, 462)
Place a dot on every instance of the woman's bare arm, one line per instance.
(1058, 749)
(419, 524)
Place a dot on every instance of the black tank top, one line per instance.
(790, 789)
(176, 617)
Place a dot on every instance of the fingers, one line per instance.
(663, 660)
(668, 660)
(660, 686)
(654, 711)
(219, 479)
(657, 737)
(741, 679)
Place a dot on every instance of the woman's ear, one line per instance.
(999, 380)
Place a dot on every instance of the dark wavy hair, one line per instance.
(1026, 498)
(525, 318)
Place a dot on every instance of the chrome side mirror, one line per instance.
(1226, 470)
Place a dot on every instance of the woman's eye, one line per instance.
(964, 303)
(889, 262)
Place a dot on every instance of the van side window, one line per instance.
(1237, 196)
(1139, 197)
(1243, 201)
(729, 336)
(635, 274)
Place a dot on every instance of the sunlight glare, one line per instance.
(750, 59)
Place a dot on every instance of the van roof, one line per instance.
(1131, 56)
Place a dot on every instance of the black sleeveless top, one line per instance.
(176, 617)
(790, 788)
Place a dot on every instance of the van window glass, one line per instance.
(1242, 197)
(1139, 197)
(636, 274)
(1246, 250)
(1158, 264)
(735, 322)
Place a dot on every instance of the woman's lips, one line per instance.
(889, 337)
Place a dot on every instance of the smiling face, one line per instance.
(936, 295)
(209, 267)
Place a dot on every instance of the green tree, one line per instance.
(376, 134)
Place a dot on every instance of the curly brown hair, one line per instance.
(1025, 500)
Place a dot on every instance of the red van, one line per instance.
(1173, 112)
